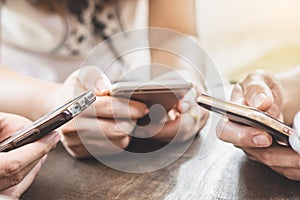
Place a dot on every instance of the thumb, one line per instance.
(103, 85)
(92, 78)
(258, 95)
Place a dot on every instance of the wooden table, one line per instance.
(225, 173)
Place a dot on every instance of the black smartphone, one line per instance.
(48, 123)
(248, 116)
(162, 92)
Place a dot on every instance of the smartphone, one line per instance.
(248, 116)
(165, 93)
(48, 123)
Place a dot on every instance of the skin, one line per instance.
(265, 92)
(179, 16)
(109, 132)
(19, 167)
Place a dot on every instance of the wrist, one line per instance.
(47, 103)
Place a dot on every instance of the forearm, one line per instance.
(175, 44)
(24, 95)
(291, 82)
(179, 54)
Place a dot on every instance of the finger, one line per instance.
(237, 95)
(183, 128)
(113, 107)
(290, 173)
(242, 136)
(82, 148)
(10, 123)
(17, 190)
(187, 102)
(18, 159)
(257, 89)
(258, 95)
(183, 107)
(8, 180)
(96, 129)
(276, 156)
(15, 179)
(92, 78)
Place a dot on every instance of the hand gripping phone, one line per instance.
(162, 92)
(248, 116)
(48, 123)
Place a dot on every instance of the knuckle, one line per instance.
(68, 128)
(46, 148)
(17, 178)
(239, 139)
(16, 194)
(264, 75)
(12, 167)
(267, 158)
(121, 130)
(255, 86)
(289, 175)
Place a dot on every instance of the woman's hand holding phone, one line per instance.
(108, 131)
(186, 119)
(20, 166)
(264, 92)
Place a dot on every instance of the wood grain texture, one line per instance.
(225, 173)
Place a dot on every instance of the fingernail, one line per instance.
(185, 107)
(44, 158)
(259, 100)
(103, 85)
(261, 140)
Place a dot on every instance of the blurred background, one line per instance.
(241, 36)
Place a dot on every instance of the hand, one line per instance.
(19, 167)
(106, 126)
(185, 119)
(282, 160)
(262, 91)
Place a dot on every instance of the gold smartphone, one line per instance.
(48, 123)
(248, 116)
(162, 92)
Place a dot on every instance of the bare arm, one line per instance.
(179, 16)
(290, 81)
(24, 95)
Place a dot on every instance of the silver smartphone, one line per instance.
(162, 92)
(248, 116)
(48, 123)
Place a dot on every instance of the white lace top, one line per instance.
(51, 46)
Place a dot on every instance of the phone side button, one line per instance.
(288, 131)
(25, 138)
